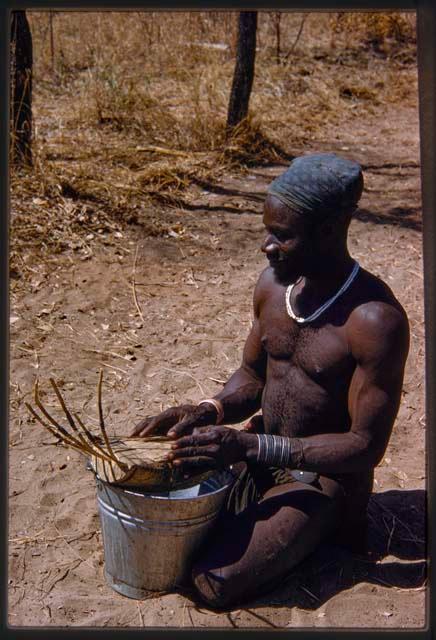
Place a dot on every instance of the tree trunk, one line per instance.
(244, 68)
(51, 40)
(277, 20)
(21, 88)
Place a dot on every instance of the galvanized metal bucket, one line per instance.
(149, 539)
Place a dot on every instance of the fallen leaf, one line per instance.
(401, 475)
(39, 201)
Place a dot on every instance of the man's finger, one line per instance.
(184, 426)
(160, 423)
(141, 426)
(202, 436)
(211, 450)
(154, 425)
(207, 429)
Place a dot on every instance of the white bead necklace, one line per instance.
(326, 305)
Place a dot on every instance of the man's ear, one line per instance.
(325, 229)
(332, 225)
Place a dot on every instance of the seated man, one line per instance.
(324, 361)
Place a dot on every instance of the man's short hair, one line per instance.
(319, 186)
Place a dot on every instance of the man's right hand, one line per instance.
(177, 421)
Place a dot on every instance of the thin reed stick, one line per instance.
(66, 440)
(65, 410)
(91, 439)
(100, 416)
(102, 451)
(49, 417)
(135, 297)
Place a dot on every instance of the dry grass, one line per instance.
(130, 109)
(392, 35)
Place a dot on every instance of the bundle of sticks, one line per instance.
(135, 462)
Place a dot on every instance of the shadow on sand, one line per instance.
(396, 536)
(397, 531)
(408, 218)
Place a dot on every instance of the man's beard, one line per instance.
(285, 272)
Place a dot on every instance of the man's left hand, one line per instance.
(213, 448)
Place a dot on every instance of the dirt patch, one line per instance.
(194, 292)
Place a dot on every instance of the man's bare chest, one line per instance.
(320, 350)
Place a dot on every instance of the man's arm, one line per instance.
(379, 341)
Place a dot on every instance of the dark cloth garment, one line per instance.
(252, 481)
(319, 184)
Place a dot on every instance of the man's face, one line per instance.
(288, 245)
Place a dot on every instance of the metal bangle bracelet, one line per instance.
(218, 407)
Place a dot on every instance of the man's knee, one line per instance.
(216, 587)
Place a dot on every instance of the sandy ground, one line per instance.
(194, 290)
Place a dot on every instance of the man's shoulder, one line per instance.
(373, 316)
(378, 323)
(376, 302)
(265, 285)
(266, 277)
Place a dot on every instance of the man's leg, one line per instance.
(260, 545)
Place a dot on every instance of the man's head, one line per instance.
(308, 210)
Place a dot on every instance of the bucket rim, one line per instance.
(229, 479)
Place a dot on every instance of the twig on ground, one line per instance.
(263, 619)
(217, 380)
(98, 351)
(309, 593)
(141, 618)
(26, 539)
(186, 373)
(403, 524)
(72, 549)
(63, 575)
(190, 615)
(163, 151)
(111, 366)
(230, 619)
(135, 297)
(156, 284)
(390, 535)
